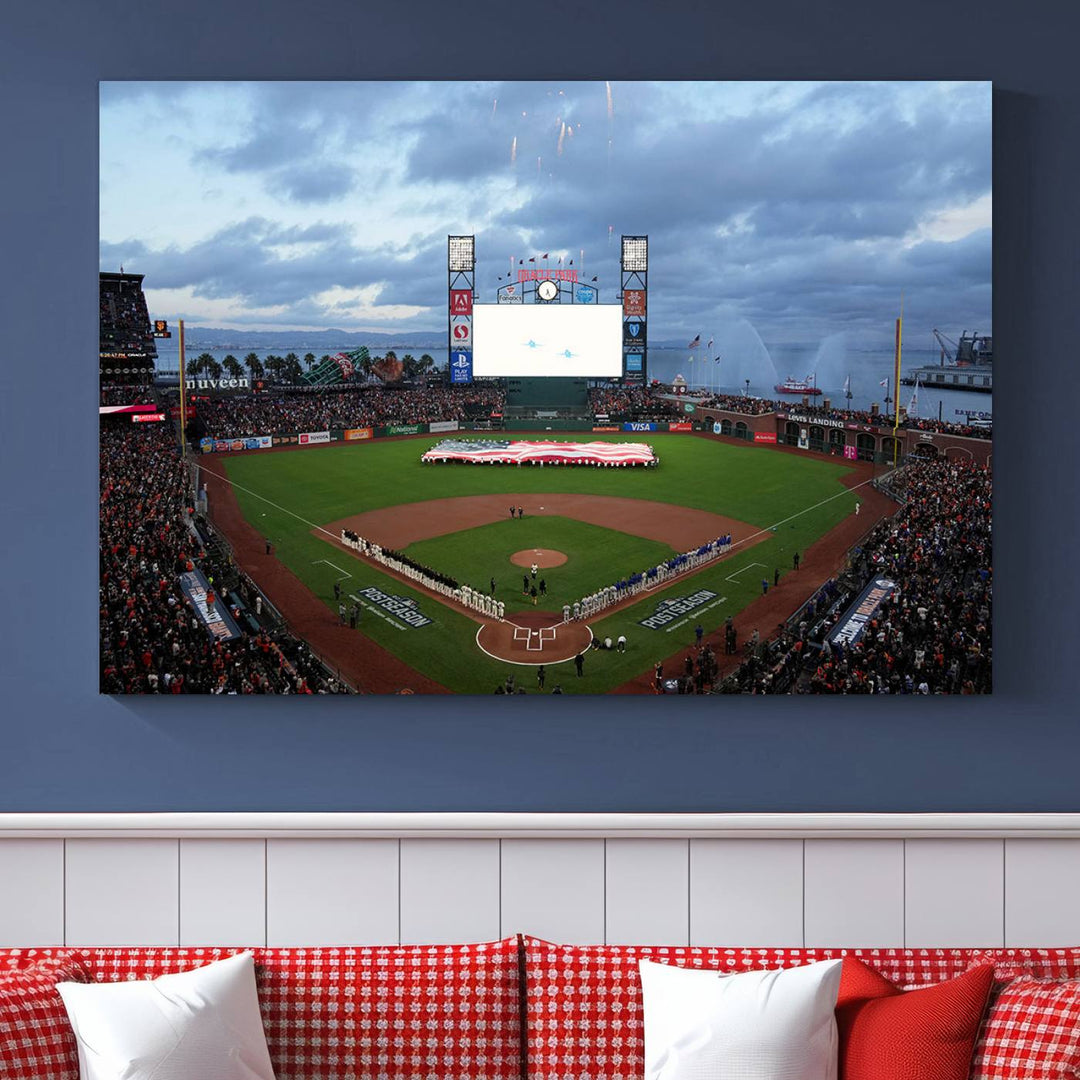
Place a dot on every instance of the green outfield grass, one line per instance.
(752, 484)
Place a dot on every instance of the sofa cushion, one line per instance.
(584, 1012)
(204, 1022)
(1031, 1032)
(928, 1033)
(1035, 963)
(36, 1039)
(353, 1013)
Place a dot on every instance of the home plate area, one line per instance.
(534, 637)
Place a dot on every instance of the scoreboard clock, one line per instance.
(547, 291)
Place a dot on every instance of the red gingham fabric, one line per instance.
(585, 1019)
(440, 1012)
(36, 1038)
(1036, 963)
(1031, 1032)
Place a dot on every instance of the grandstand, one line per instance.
(126, 350)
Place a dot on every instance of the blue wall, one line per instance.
(64, 748)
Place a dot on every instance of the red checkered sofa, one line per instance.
(526, 1009)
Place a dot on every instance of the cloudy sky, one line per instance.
(806, 208)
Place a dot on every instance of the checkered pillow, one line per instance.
(1032, 1032)
(36, 1039)
(1035, 963)
(585, 1018)
(355, 1013)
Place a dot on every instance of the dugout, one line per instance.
(551, 398)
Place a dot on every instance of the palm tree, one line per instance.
(254, 365)
(201, 364)
(291, 368)
(309, 359)
(408, 366)
(211, 367)
(232, 366)
(292, 358)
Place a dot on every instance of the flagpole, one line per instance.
(183, 394)
(899, 339)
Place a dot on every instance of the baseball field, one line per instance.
(585, 527)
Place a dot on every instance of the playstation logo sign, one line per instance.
(461, 366)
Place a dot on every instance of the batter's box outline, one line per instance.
(523, 633)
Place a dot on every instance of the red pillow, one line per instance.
(36, 1039)
(1031, 1033)
(891, 1034)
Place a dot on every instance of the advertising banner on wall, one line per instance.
(354, 434)
(850, 453)
(639, 425)
(633, 302)
(717, 429)
(682, 426)
(765, 436)
(461, 367)
(853, 622)
(403, 429)
(634, 335)
(632, 361)
(310, 438)
(444, 425)
(804, 438)
(460, 301)
(461, 334)
(509, 294)
(248, 442)
(148, 417)
(219, 624)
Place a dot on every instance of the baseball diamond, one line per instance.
(608, 524)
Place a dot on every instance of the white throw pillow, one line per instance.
(757, 1025)
(197, 1025)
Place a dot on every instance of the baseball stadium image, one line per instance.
(395, 410)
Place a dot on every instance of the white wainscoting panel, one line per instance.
(332, 892)
(1042, 892)
(954, 893)
(647, 892)
(222, 892)
(31, 892)
(877, 880)
(554, 889)
(746, 892)
(449, 891)
(122, 892)
(854, 892)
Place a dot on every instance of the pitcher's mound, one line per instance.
(543, 557)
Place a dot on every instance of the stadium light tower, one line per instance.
(634, 288)
(461, 289)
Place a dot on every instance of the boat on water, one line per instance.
(791, 385)
(967, 364)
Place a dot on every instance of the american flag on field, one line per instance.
(505, 452)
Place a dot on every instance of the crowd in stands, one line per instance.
(349, 407)
(127, 395)
(640, 402)
(124, 321)
(933, 635)
(753, 406)
(151, 639)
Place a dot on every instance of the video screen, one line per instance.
(547, 339)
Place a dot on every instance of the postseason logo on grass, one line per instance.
(401, 607)
(668, 610)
